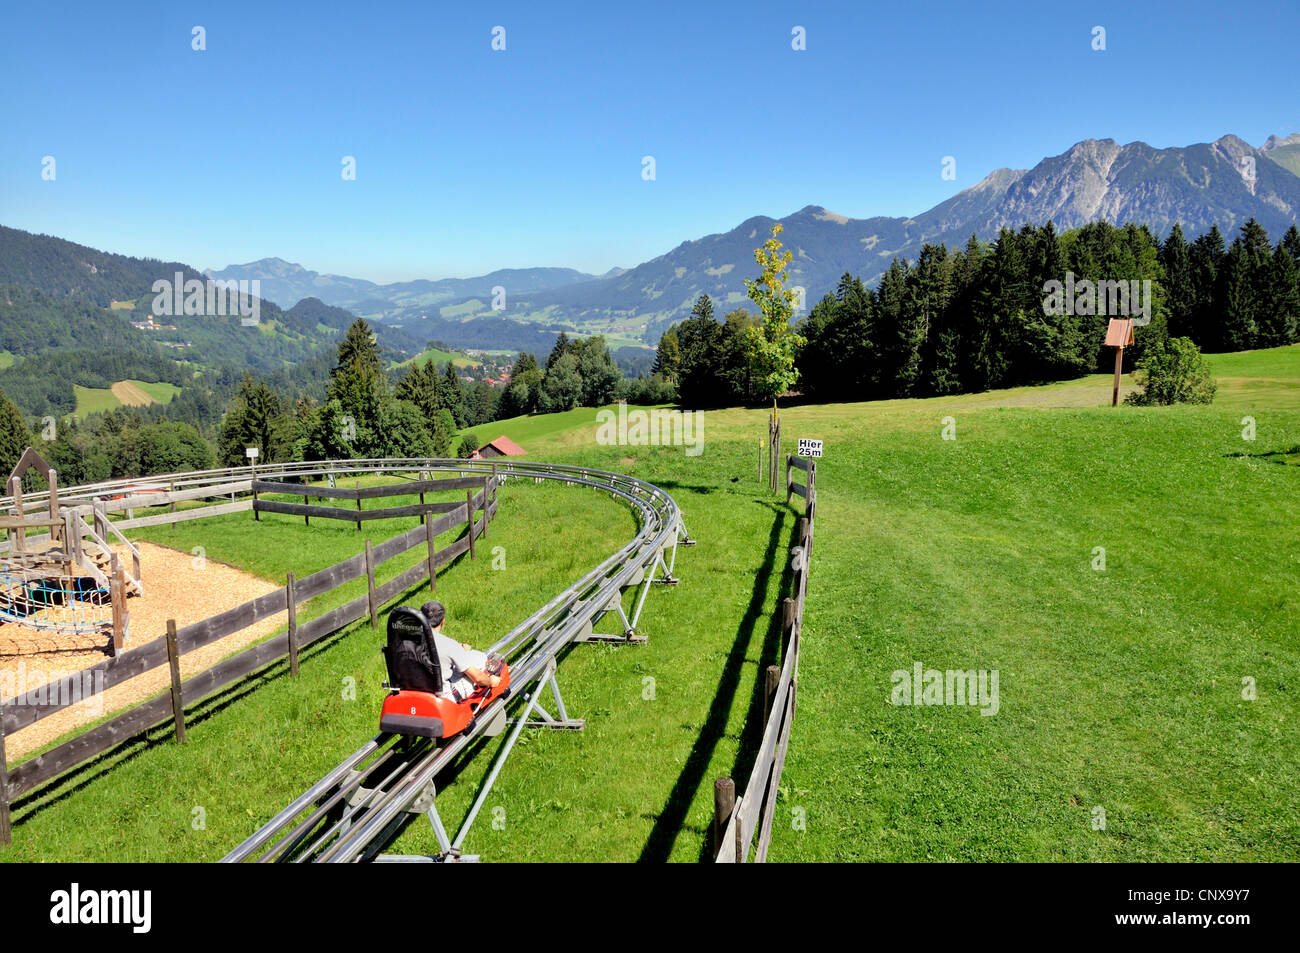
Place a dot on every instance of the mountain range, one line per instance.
(1225, 182)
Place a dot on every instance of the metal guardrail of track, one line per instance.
(356, 809)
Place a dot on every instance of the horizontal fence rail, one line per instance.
(738, 817)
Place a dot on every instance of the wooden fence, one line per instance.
(19, 712)
(737, 817)
(413, 488)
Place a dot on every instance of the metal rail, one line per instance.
(359, 806)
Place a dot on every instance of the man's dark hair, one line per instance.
(435, 612)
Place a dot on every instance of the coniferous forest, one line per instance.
(973, 319)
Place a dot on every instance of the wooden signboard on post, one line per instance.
(1119, 335)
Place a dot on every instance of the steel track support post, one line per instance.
(444, 843)
(668, 579)
(645, 589)
(520, 724)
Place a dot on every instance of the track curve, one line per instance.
(348, 821)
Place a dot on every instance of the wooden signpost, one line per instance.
(1119, 335)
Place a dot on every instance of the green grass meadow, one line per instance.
(1157, 694)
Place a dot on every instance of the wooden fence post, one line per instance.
(358, 506)
(469, 508)
(20, 534)
(776, 454)
(789, 483)
(101, 520)
(174, 662)
(256, 515)
(724, 802)
(292, 605)
(67, 535)
(769, 690)
(54, 503)
(6, 832)
(433, 572)
(117, 596)
(370, 584)
(787, 626)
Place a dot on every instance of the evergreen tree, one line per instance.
(481, 403)
(421, 385)
(256, 418)
(14, 437)
(1207, 254)
(405, 430)
(1281, 313)
(328, 433)
(357, 381)
(668, 356)
(1291, 242)
(451, 394)
(1176, 259)
(560, 349)
(443, 433)
(697, 336)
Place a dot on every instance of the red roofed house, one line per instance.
(500, 447)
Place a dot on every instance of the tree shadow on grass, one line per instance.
(669, 822)
(1285, 457)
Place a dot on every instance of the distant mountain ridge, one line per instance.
(286, 282)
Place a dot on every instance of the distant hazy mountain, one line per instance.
(286, 283)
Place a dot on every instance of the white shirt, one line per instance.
(454, 659)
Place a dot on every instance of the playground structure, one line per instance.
(58, 574)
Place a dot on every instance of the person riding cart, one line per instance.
(438, 685)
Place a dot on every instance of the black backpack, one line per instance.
(411, 654)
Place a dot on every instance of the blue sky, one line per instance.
(469, 159)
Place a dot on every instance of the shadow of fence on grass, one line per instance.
(670, 821)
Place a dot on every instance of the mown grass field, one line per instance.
(96, 400)
(440, 357)
(1120, 688)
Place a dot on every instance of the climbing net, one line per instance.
(45, 595)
